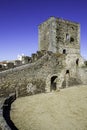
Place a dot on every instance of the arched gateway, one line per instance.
(51, 82)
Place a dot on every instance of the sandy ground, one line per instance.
(64, 110)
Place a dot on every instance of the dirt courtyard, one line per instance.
(63, 110)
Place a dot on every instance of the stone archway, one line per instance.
(51, 82)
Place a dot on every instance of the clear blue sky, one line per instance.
(19, 20)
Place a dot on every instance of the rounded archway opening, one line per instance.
(53, 85)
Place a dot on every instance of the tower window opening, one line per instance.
(67, 36)
(67, 71)
(71, 39)
(72, 28)
(77, 62)
(64, 51)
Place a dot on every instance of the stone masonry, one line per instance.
(59, 36)
(56, 64)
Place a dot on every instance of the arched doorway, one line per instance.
(53, 83)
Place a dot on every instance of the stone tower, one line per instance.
(59, 36)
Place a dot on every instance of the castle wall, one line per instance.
(40, 72)
(36, 72)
